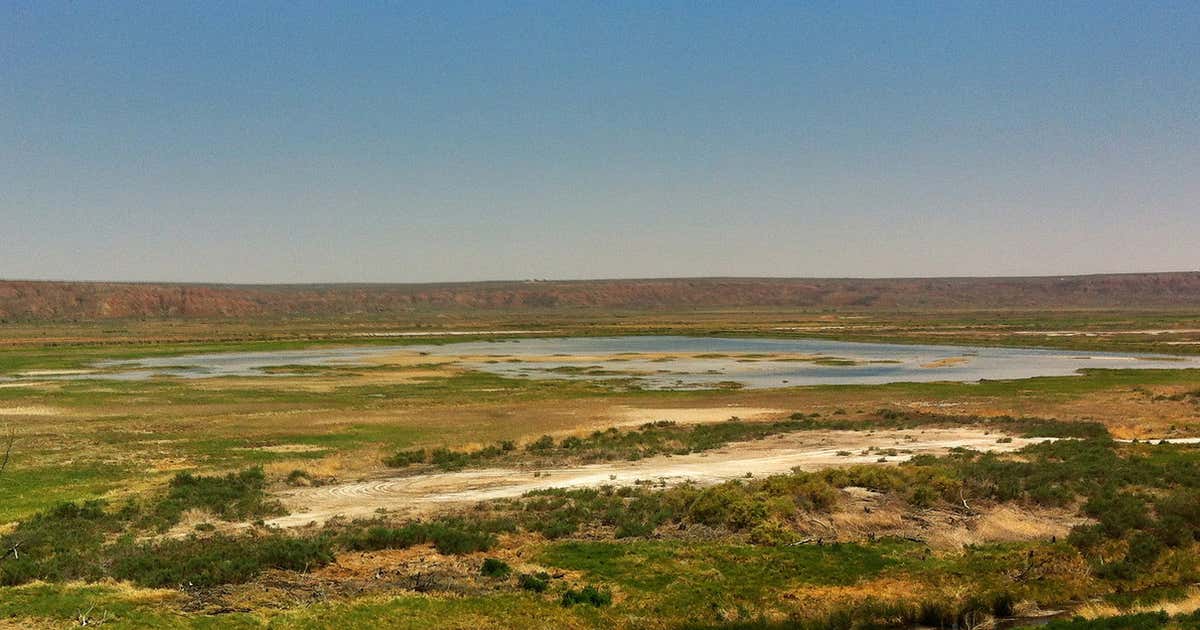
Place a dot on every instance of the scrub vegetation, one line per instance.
(665, 437)
(151, 503)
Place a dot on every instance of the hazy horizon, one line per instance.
(300, 143)
(595, 279)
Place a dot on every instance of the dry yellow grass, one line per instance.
(1188, 604)
(337, 465)
(862, 514)
(814, 601)
(193, 517)
(1005, 523)
(30, 623)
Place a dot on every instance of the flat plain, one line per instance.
(415, 489)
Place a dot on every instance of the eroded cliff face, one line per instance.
(31, 300)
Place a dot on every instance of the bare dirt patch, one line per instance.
(289, 448)
(22, 384)
(947, 362)
(632, 416)
(36, 373)
(864, 514)
(30, 411)
(811, 450)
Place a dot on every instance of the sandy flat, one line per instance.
(808, 450)
(36, 373)
(30, 411)
(449, 333)
(947, 362)
(287, 448)
(632, 416)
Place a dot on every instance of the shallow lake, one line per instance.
(676, 361)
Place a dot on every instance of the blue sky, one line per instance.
(407, 142)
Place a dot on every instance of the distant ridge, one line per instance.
(63, 301)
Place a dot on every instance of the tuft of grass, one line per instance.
(537, 582)
(589, 595)
(495, 568)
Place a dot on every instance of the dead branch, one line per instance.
(963, 499)
(12, 438)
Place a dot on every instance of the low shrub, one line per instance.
(62, 543)
(232, 497)
(298, 477)
(536, 582)
(541, 444)
(448, 536)
(1118, 512)
(400, 459)
(495, 568)
(216, 560)
(589, 595)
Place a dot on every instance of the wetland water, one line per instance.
(666, 362)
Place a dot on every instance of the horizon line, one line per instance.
(204, 283)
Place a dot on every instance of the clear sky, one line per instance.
(407, 142)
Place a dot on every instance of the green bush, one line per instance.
(63, 543)
(1144, 549)
(75, 541)
(556, 527)
(451, 540)
(536, 582)
(1118, 512)
(1003, 605)
(772, 532)
(1138, 621)
(216, 560)
(298, 477)
(400, 459)
(447, 536)
(1178, 518)
(631, 527)
(543, 443)
(447, 459)
(495, 568)
(922, 496)
(232, 497)
(589, 595)
(1086, 537)
(375, 538)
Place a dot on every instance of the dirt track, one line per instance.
(809, 450)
